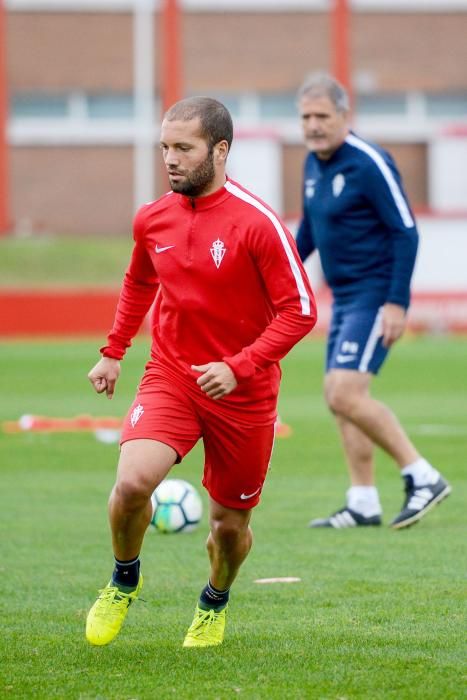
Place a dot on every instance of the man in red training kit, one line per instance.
(231, 299)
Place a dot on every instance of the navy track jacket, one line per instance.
(356, 214)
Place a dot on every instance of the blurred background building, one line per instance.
(88, 81)
(85, 96)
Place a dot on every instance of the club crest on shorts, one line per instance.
(136, 414)
(218, 251)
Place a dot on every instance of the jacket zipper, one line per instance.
(190, 232)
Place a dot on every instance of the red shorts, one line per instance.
(236, 455)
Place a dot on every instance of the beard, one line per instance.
(198, 180)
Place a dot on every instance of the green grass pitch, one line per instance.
(377, 615)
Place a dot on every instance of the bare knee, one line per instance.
(224, 532)
(343, 394)
(130, 492)
(338, 402)
(143, 464)
(227, 531)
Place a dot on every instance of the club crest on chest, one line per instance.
(310, 188)
(218, 250)
(338, 184)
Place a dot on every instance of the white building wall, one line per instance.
(442, 259)
(447, 171)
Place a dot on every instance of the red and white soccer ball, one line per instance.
(176, 506)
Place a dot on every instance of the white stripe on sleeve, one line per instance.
(304, 298)
(386, 172)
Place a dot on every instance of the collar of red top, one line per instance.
(200, 203)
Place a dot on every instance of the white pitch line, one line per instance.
(439, 429)
(283, 579)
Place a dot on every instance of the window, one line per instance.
(384, 105)
(450, 106)
(110, 106)
(39, 105)
(72, 105)
(278, 106)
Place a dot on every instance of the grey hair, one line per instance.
(324, 85)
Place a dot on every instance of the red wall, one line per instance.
(29, 313)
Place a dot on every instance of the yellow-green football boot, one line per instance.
(207, 628)
(108, 613)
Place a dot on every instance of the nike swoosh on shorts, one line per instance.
(246, 496)
(345, 358)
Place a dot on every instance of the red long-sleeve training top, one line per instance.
(228, 285)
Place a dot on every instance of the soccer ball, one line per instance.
(176, 506)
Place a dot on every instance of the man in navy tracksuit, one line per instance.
(356, 214)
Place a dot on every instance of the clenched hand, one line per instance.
(104, 376)
(217, 379)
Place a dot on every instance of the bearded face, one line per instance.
(194, 181)
(188, 157)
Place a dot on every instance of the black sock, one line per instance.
(213, 599)
(126, 573)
